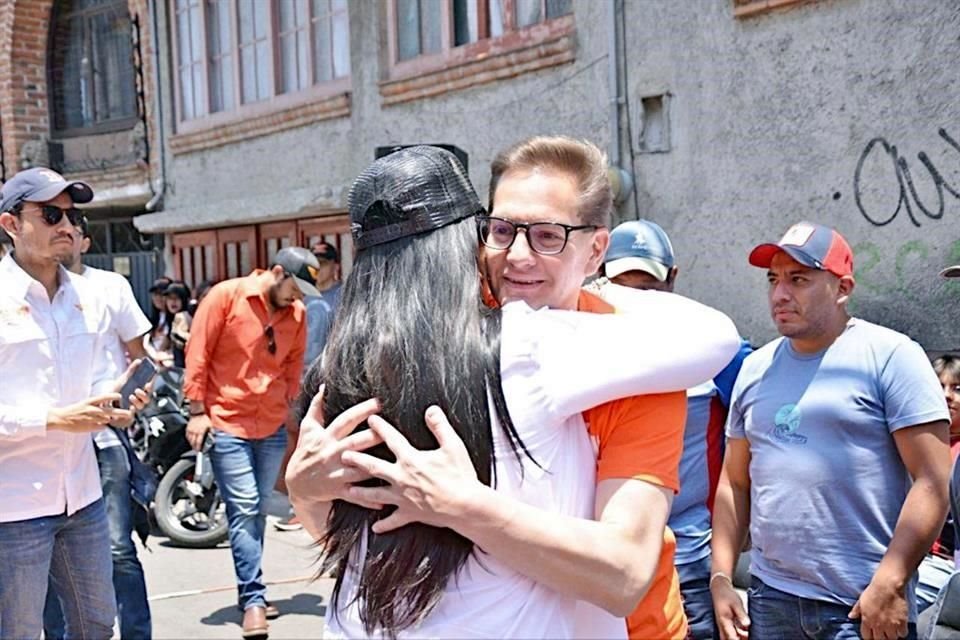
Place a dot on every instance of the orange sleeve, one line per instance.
(640, 438)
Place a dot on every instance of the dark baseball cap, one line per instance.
(812, 245)
(325, 251)
(41, 185)
(408, 192)
(160, 285)
(302, 265)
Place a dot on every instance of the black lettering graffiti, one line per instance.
(908, 198)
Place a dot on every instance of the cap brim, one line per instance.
(306, 288)
(951, 272)
(620, 266)
(762, 256)
(80, 192)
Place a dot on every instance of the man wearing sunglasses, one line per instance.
(244, 360)
(58, 389)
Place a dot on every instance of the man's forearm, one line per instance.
(920, 521)
(589, 560)
(312, 514)
(731, 518)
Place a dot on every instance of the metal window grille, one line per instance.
(92, 72)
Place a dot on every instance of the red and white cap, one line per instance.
(812, 245)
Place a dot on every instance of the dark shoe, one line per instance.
(255, 624)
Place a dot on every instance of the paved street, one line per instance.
(193, 593)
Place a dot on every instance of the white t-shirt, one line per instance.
(555, 365)
(126, 321)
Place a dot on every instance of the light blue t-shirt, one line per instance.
(320, 313)
(827, 482)
(700, 468)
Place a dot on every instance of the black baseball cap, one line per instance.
(302, 265)
(408, 192)
(160, 284)
(325, 251)
(41, 185)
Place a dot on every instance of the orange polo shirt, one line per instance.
(642, 437)
(246, 390)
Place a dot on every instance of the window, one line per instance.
(443, 45)
(92, 74)
(419, 23)
(232, 53)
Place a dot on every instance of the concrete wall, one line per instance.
(769, 117)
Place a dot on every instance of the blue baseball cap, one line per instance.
(41, 185)
(639, 245)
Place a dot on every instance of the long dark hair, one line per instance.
(412, 331)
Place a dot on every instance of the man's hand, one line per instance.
(432, 487)
(315, 473)
(732, 619)
(882, 610)
(89, 415)
(197, 430)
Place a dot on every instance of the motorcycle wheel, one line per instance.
(182, 509)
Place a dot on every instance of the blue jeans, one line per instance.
(246, 471)
(73, 554)
(128, 582)
(697, 601)
(776, 615)
(933, 572)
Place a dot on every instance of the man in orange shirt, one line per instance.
(626, 556)
(244, 360)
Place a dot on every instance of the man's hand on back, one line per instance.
(315, 473)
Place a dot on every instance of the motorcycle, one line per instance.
(188, 507)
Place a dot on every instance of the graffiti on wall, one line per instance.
(910, 277)
(898, 169)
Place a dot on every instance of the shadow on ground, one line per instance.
(309, 604)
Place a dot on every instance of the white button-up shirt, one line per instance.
(127, 322)
(52, 354)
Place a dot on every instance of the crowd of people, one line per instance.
(504, 423)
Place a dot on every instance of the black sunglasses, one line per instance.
(271, 341)
(53, 214)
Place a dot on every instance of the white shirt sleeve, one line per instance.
(130, 322)
(656, 343)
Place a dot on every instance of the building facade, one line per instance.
(727, 119)
(76, 95)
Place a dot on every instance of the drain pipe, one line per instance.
(161, 188)
(613, 78)
(621, 181)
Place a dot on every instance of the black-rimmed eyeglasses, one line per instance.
(545, 238)
(53, 214)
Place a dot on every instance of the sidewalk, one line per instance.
(193, 591)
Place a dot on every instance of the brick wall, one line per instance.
(24, 108)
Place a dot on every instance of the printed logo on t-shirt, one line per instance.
(786, 424)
